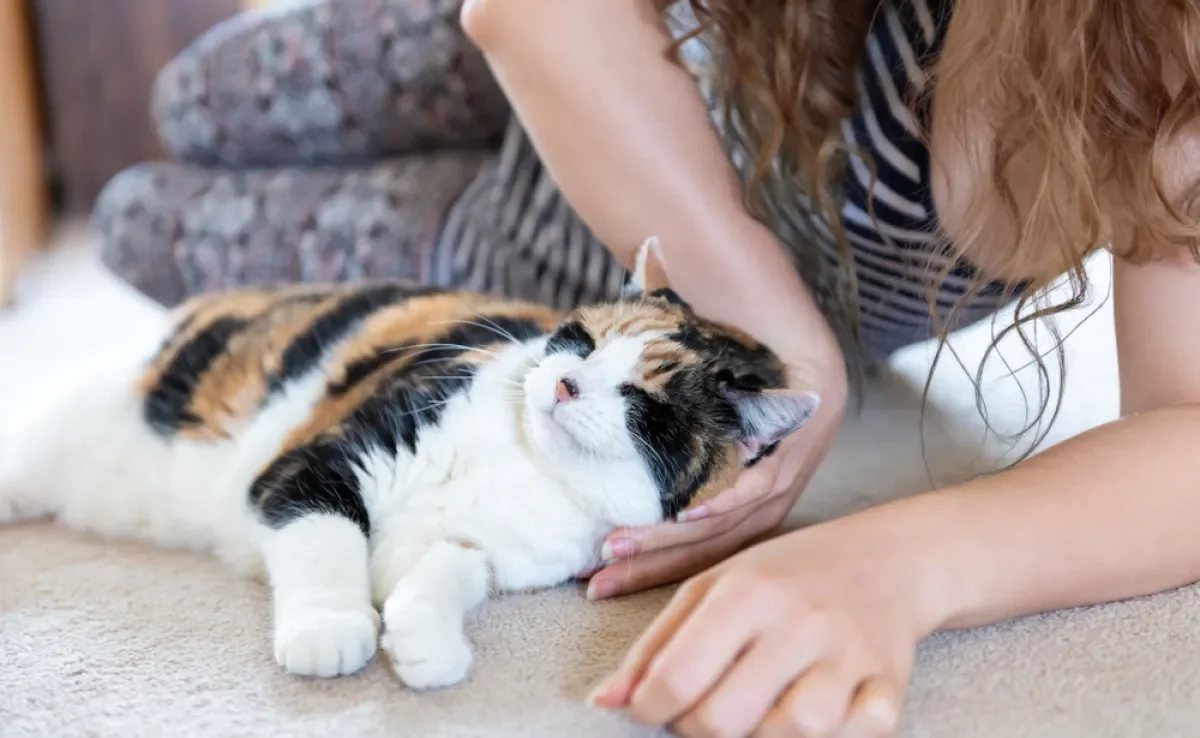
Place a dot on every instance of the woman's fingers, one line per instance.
(751, 687)
(674, 564)
(875, 711)
(714, 517)
(616, 690)
(631, 542)
(658, 568)
(588, 572)
(815, 706)
(706, 648)
(692, 660)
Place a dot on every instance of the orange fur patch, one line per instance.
(723, 477)
(405, 328)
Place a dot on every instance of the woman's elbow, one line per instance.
(478, 19)
(495, 24)
(492, 23)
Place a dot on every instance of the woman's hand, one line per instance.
(641, 558)
(812, 634)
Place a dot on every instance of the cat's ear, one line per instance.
(648, 274)
(769, 416)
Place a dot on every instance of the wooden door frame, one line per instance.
(24, 200)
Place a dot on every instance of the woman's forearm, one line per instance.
(627, 137)
(1105, 516)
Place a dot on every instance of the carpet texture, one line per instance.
(102, 639)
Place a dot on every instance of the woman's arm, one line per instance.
(1105, 516)
(830, 616)
(1111, 513)
(627, 136)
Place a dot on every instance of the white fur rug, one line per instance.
(120, 640)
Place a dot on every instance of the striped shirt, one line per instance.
(513, 233)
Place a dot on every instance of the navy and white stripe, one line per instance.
(513, 232)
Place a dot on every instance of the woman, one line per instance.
(1056, 128)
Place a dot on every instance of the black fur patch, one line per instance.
(415, 393)
(307, 349)
(471, 335)
(165, 408)
(663, 440)
(357, 371)
(571, 338)
(680, 438)
(764, 453)
(671, 296)
(748, 367)
(318, 478)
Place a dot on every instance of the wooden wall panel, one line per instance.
(99, 59)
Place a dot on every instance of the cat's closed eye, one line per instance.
(571, 338)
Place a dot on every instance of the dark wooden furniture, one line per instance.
(98, 61)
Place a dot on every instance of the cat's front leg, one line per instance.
(425, 613)
(325, 624)
(316, 554)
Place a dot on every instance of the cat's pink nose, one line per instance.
(566, 390)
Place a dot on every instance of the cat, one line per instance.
(404, 449)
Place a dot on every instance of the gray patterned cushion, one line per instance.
(174, 230)
(317, 141)
(335, 81)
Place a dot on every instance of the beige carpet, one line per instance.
(107, 640)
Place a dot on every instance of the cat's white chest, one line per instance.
(472, 480)
(533, 534)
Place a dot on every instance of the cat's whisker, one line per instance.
(431, 362)
(637, 438)
(446, 377)
(489, 325)
(423, 348)
(496, 327)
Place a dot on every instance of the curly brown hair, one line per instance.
(1085, 99)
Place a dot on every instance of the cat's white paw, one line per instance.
(326, 642)
(427, 646)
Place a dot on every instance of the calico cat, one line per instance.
(402, 447)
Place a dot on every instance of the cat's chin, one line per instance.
(551, 439)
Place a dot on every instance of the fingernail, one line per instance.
(603, 695)
(618, 548)
(594, 696)
(600, 589)
(695, 513)
(882, 712)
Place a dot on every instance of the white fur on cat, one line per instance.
(513, 490)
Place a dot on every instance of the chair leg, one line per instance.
(24, 215)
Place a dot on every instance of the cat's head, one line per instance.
(652, 407)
